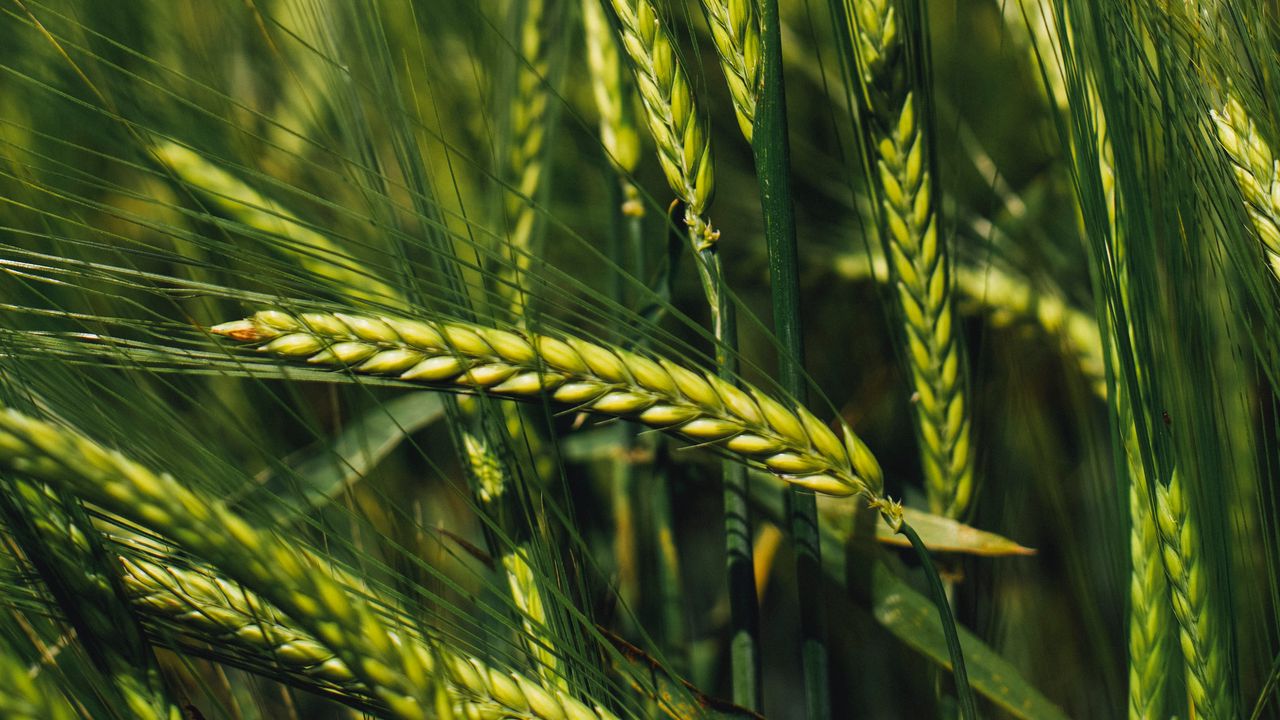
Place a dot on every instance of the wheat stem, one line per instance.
(917, 255)
(293, 580)
(662, 394)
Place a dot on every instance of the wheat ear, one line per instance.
(205, 605)
(314, 252)
(609, 87)
(291, 579)
(1257, 173)
(1148, 600)
(679, 131)
(916, 254)
(735, 29)
(746, 422)
(527, 125)
(60, 544)
(1208, 683)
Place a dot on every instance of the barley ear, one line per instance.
(60, 543)
(744, 422)
(735, 29)
(292, 579)
(610, 88)
(1203, 649)
(1149, 613)
(1257, 173)
(671, 111)
(897, 141)
(202, 602)
(313, 251)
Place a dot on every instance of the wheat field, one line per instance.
(614, 359)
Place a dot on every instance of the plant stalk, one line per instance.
(773, 169)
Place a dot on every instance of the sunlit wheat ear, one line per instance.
(1208, 667)
(735, 29)
(671, 111)
(917, 255)
(293, 580)
(1257, 173)
(314, 252)
(206, 605)
(578, 373)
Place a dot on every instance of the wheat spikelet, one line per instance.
(916, 254)
(293, 580)
(680, 132)
(314, 252)
(1208, 683)
(788, 440)
(206, 605)
(1257, 173)
(735, 29)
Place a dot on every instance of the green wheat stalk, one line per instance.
(898, 142)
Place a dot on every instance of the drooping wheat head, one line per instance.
(735, 29)
(746, 422)
(917, 255)
(206, 605)
(56, 539)
(672, 114)
(291, 579)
